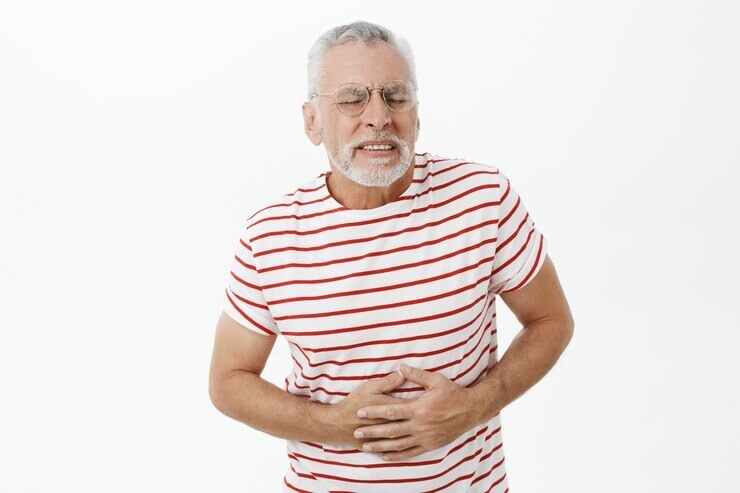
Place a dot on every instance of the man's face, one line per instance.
(342, 135)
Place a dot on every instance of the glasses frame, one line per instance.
(369, 90)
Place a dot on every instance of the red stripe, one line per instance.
(482, 373)
(449, 452)
(482, 331)
(380, 253)
(379, 236)
(249, 302)
(514, 257)
(248, 266)
(377, 325)
(511, 213)
(406, 390)
(388, 287)
(496, 483)
(401, 480)
(403, 339)
(252, 321)
(486, 474)
(391, 217)
(300, 474)
(314, 214)
(246, 283)
(531, 271)
(308, 476)
(513, 235)
(384, 270)
(427, 161)
(380, 465)
(295, 202)
(467, 476)
(391, 357)
(328, 195)
(477, 360)
(285, 480)
(245, 244)
(331, 451)
(401, 198)
(365, 466)
(386, 306)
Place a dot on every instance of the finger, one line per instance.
(426, 378)
(393, 429)
(404, 454)
(388, 411)
(385, 384)
(395, 445)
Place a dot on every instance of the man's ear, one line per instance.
(311, 123)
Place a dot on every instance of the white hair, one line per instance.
(361, 33)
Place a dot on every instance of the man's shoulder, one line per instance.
(287, 206)
(460, 168)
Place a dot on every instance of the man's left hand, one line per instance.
(431, 421)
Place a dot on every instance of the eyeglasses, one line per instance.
(352, 98)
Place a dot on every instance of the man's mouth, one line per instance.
(377, 147)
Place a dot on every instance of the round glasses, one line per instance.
(352, 98)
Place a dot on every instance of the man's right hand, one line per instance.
(369, 393)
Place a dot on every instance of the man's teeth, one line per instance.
(377, 147)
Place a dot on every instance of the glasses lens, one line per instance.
(351, 98)
(399, 95)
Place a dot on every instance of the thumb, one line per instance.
(417, 375)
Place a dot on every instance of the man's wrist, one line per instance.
(326, 418)
(485, 399)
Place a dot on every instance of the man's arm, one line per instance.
(447, 409)
(238, 391)
(548, 325)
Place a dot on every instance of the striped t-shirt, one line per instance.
(358, 292)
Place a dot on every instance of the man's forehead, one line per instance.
(369, 64)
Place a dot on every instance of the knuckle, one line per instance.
(391, 412)
(393, 431)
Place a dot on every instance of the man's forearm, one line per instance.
(248, 398)
(532, 353)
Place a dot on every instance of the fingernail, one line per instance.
(361, 414)
(359, 434)
(405, 367)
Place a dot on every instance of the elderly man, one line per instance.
(382, 274)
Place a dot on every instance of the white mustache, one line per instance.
(392, 138)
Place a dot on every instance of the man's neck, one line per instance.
(352, 195)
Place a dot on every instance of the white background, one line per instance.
(136, 137)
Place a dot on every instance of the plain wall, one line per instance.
(136, 137)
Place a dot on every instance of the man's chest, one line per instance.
(397, 280)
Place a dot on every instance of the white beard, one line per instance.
(376, 173)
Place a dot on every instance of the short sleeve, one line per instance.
(520, 247)
(244, 301)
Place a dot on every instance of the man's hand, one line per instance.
(370, 393)
(416, 426)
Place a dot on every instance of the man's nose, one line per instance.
(376, 114)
